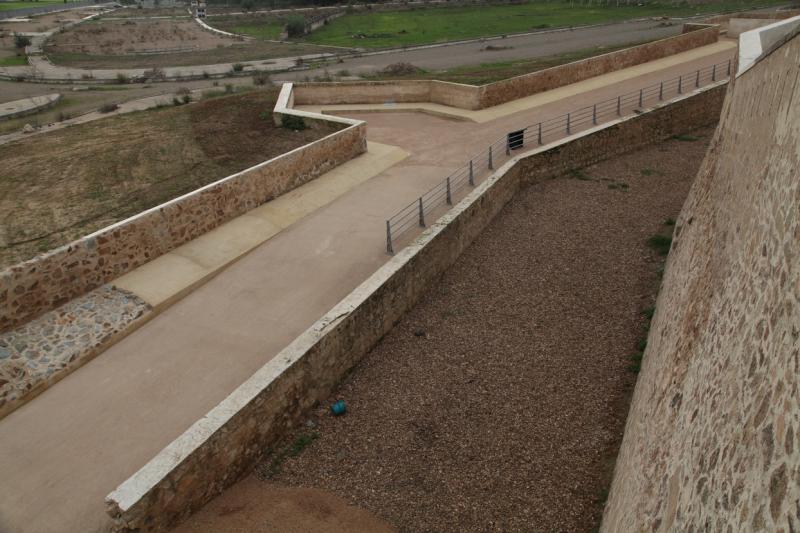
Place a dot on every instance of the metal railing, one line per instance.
(540, 133)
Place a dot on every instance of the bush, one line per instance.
(293, 122)
(154, 73)
(296, 27)
(229, 88)
(247, 4)
(261, 78)
(181, 91)
(108, 108)
(21, 41)
(121, 78)
(238, 67)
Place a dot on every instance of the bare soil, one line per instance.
(132, 36)
(256, 507)
(58, 186)
(43, 23)
(498, 403)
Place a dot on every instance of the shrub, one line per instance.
(108, 108)
(660, 243)
(181, 91)
(237, 67)
(206, 75)
(261, 78)
(229, 88)
(293, 122)
(247, 4)
(296, 27)
(21, 41)
(122, 78)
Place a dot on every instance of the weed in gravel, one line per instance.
(669, 222)
(293, 449)
(649, 312)
(579, 174)
(649, 172)
(660, 243)
(686, 138)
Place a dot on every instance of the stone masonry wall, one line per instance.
(712, 441)
(473, 97)
(223, 445)
(49, 280)
(543, 80)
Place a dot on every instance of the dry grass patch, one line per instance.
(59, 186)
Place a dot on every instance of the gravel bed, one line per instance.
(498, 403)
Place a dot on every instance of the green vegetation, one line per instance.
(686, 138)
(8, 6)
(265, 28)
(294, 449)
(13, 61)
(660, 243)
(420, 26)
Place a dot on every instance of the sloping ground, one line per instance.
(713, 439)
(58, 186)
(498, 403)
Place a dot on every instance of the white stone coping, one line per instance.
(285, 106)
(754, 44)
(221, 32)
(132, 490)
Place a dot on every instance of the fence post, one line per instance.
(729, 68)
(491, 166)
(508, 144)
(421, 213)
(697, 79)
(641, 97)
(661, 91)
(594, 114)
(714, 73)
(540, 134)
(389, 249)
(680, 84)
(471, 174)
(449, 197)
(568, 120)
(619, 106)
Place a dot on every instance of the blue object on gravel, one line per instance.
(339, 408)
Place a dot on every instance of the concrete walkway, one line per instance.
(63, 452)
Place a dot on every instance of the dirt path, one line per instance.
(499, 402)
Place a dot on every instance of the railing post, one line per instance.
(540, 134)
(508, 145)
(471, 174)
(729, 68)
(389, 249)
(661, 91)
(680, 84)
(594, 114)
(568, 121)
(697, 79)
(714, 73)
(491, 165)
(619, 106)
(449, 197)
(641, 97)
(421, 213)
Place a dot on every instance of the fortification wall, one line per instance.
(712, 441)
(51, 279)
(219, 448)
(479, 97)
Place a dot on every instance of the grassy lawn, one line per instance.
(6, 6)
(490, 72)
(420, 26)
(13, 61)
(258, 27)
(58, 186)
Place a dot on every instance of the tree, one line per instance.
(296, 27)
(21, 41)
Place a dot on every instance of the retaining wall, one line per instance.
(712, 441)
(479, 97)
(51, 279)
(222, 446)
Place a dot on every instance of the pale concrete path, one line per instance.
(62, 453)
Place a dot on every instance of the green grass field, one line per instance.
(422, 26)
(5, 6)
(13, 61)
(269, 29)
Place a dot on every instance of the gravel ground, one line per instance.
(499, 402)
